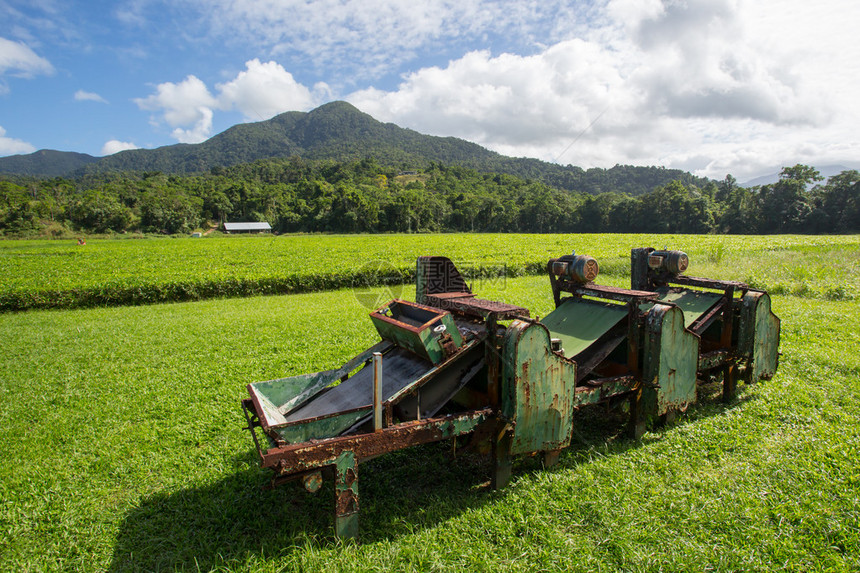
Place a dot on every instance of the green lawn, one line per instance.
(123, 449)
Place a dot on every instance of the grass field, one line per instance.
(123, 448)
(62, 274)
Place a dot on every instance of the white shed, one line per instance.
(261, 227)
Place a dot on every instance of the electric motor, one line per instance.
(674, 262)
(577, 268)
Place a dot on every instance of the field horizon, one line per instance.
(116, 272)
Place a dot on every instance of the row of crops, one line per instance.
(63, 274)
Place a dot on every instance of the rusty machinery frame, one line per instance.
(510, 381)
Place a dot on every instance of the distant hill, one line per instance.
(46, 163)
(340, 132)
(825, 170)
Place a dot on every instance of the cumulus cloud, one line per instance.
(9, 146)
(511, 103)
(695, 60)
(18, 60)
(649, 81)
(259, 92)
(115, 146)
(370, 37)
(264, 90)
(180, 102)
(186, 106)
(200, 130)
(82, 95)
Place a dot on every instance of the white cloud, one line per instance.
(17, 59)
(131, 12)
(115, 146)
(187, 103)
(507, 101)
(264, 90)
(181, 103)
(371, 37)
(660, 79)
(260, 91)
(9, 146)
(199, 131)
(82, 95)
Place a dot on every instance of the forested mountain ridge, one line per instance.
(45, 163)
(338, 131)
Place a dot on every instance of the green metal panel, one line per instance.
(579, 323)
(320, 428)
(758, 334)
(278, 397)
(693, 303)
(346, 496)
(538, 392)
(670, 361)
(284, 394)
(414, 327)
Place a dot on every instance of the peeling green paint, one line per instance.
(670, 361)
(538, 390)
(320, 428)
(417, 328)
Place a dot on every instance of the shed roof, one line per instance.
(261, 226)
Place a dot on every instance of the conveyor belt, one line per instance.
(399, 369)
(579, 323)
(692, 303)
(467, 304)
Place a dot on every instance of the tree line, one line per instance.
(296, 195)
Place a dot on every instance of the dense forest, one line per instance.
(298, 195)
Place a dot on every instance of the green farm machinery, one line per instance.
(451, 364)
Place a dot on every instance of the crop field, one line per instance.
(62, 274)
(123, 447)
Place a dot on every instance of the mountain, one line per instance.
(826, 171)
(340, 132)
(46, 163)
(336, 131)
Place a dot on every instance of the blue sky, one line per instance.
(710, 86)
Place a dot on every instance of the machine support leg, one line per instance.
(346, 496)
(636, 428)
(669, 417)
(550, 458)
(492, 359)
(502, 459)
(377, 391)
(730, 382)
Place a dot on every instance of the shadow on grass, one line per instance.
(238, 518)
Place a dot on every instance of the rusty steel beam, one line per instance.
(703, 322)
(704, 283)
(596, 391)
(715, 359)
(609, 292)
(294, 458)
